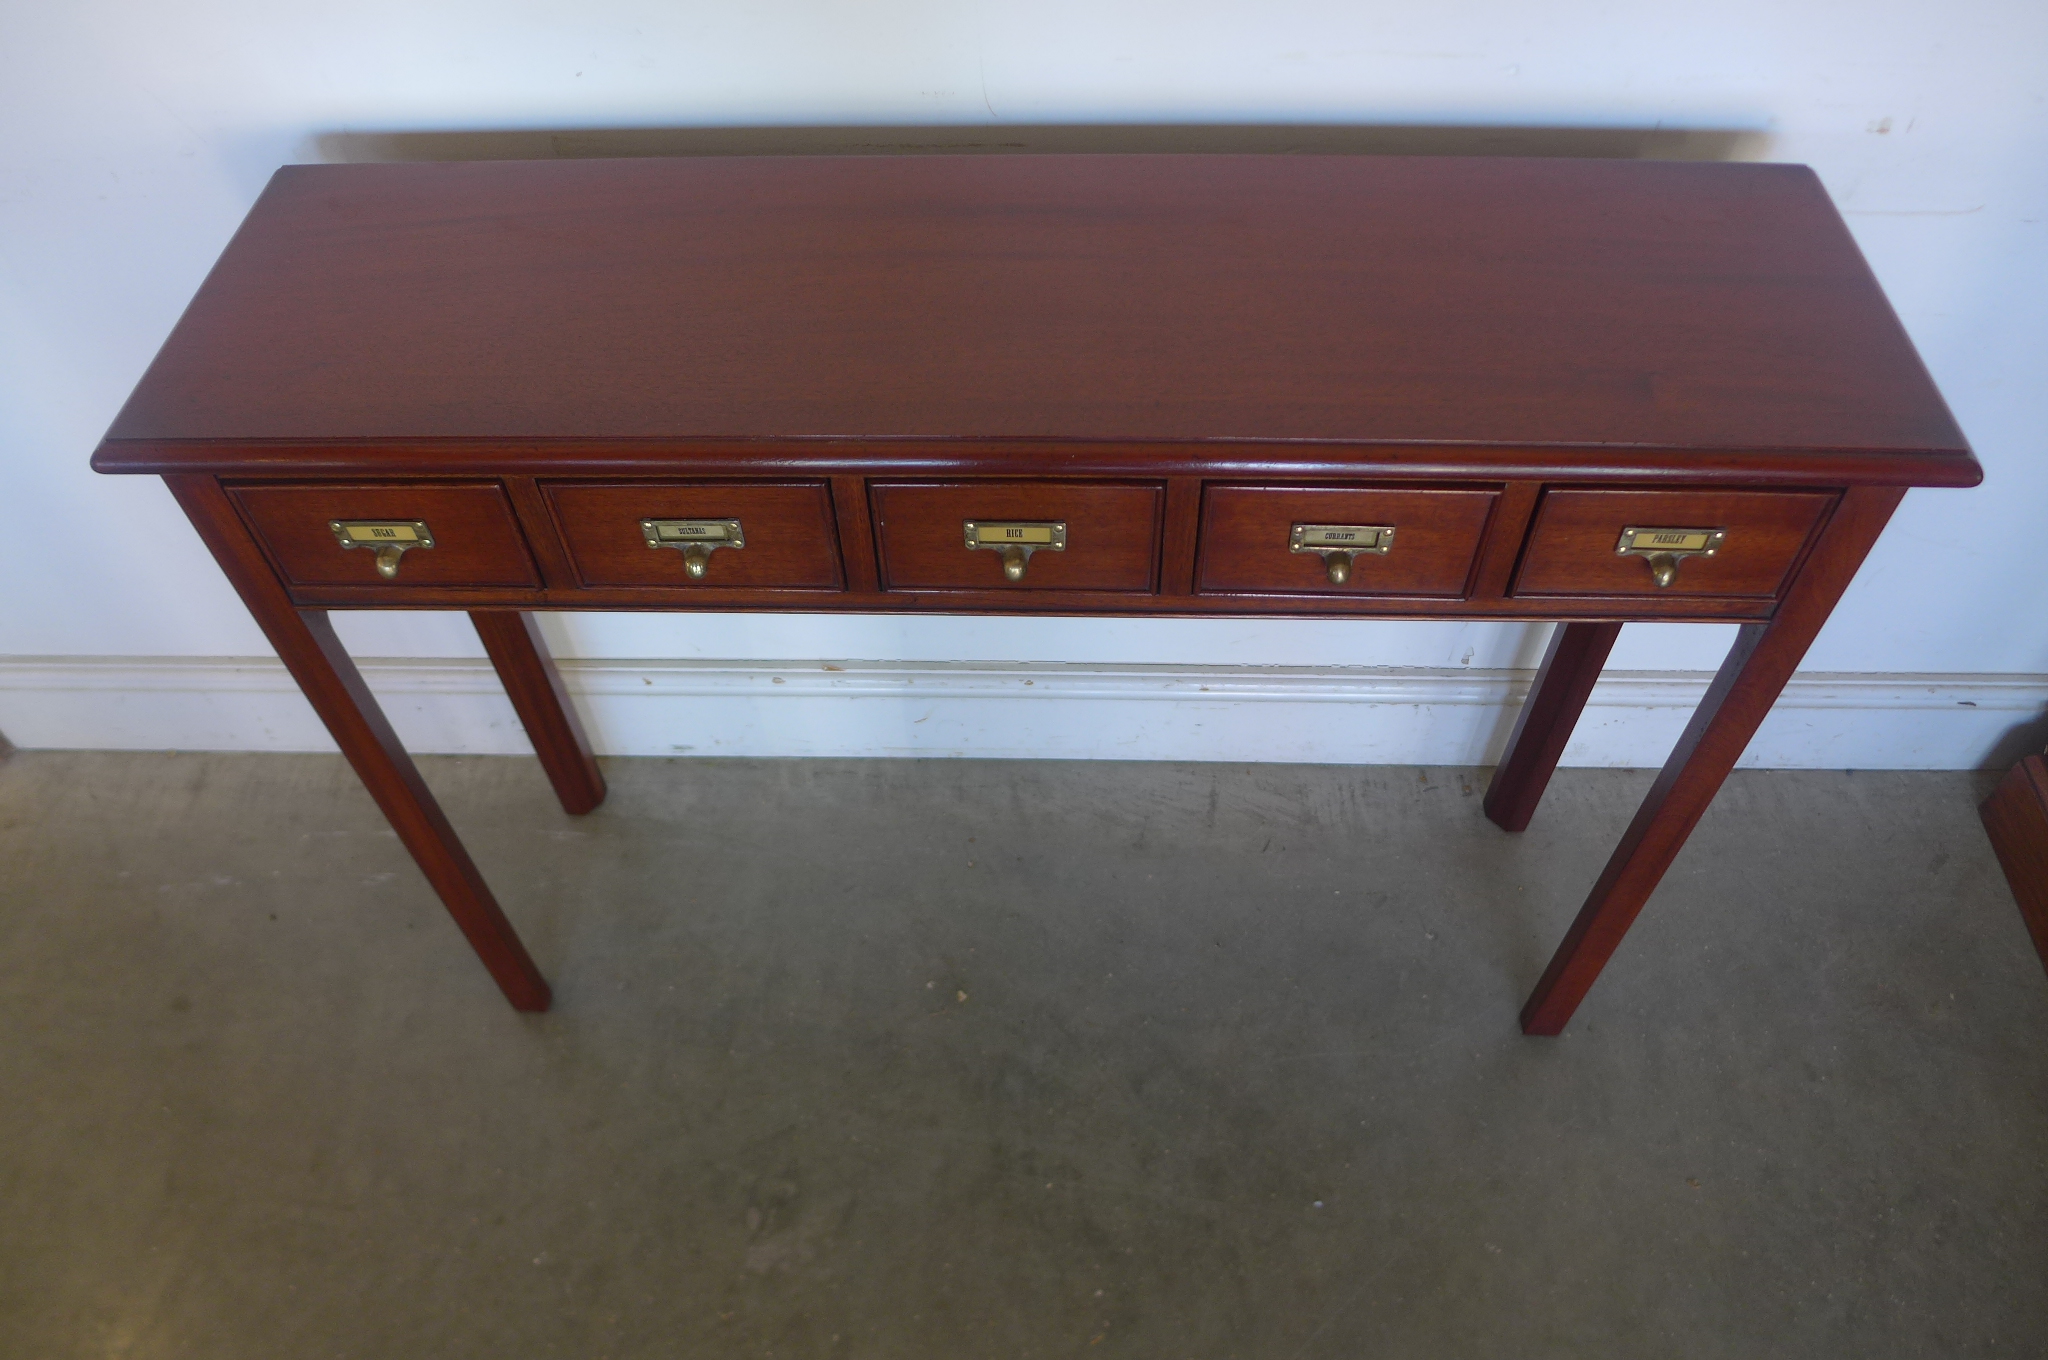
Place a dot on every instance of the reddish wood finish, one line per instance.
(1177, 543)
(2016, 818)
(787, 529)
(535, 688)
(1112, 535)
(1006, 599)
(1502, 548)
(1758, 665)
(1586, 304)
(1221, 460)
(306, 644)
(542, 535)
(856, 534)
(1570, 668)
(899, 345)
(476, 537)
(1245, 540)
(1571, 549)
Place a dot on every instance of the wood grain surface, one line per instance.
(1112, 535)
(787, 532)
(1572, 548)
(476, 536)
(1245, 536)
(1575, 304)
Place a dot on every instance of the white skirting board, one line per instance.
(1011, 711)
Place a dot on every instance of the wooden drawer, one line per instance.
(1112, 534)
(788, 540)
(1572, 548)
(476, 538)
(1247, 540)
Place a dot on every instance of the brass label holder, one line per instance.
(388, 539)
(1016, 540)
(1339, 544)
(696, 539)
(1664, 549)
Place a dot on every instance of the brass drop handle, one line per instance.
(1340, 545)
(695, 539)
(1014, 541)
(388, 539)
(1664, 549)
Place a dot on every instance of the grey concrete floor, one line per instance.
(961, 1059)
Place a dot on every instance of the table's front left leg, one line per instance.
(535, 688)
(1758, 665)
(305, 642)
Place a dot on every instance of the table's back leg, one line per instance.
(1758, 665)
(305, 642)
(1570, 667)
(535, 688)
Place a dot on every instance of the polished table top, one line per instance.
(1680, 310)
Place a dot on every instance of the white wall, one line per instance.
(138, 134)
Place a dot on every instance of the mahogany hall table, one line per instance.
(1582, 391)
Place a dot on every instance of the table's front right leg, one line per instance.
(305, 642)
(1762, 659)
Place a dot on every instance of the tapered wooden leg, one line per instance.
(1570, 667)
(535, 687)
(306, 643)
(1758, 665)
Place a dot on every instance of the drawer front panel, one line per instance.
(787, 536)
(1248, 532)
(1572, 548)
(1111, 541)
(476, 538)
